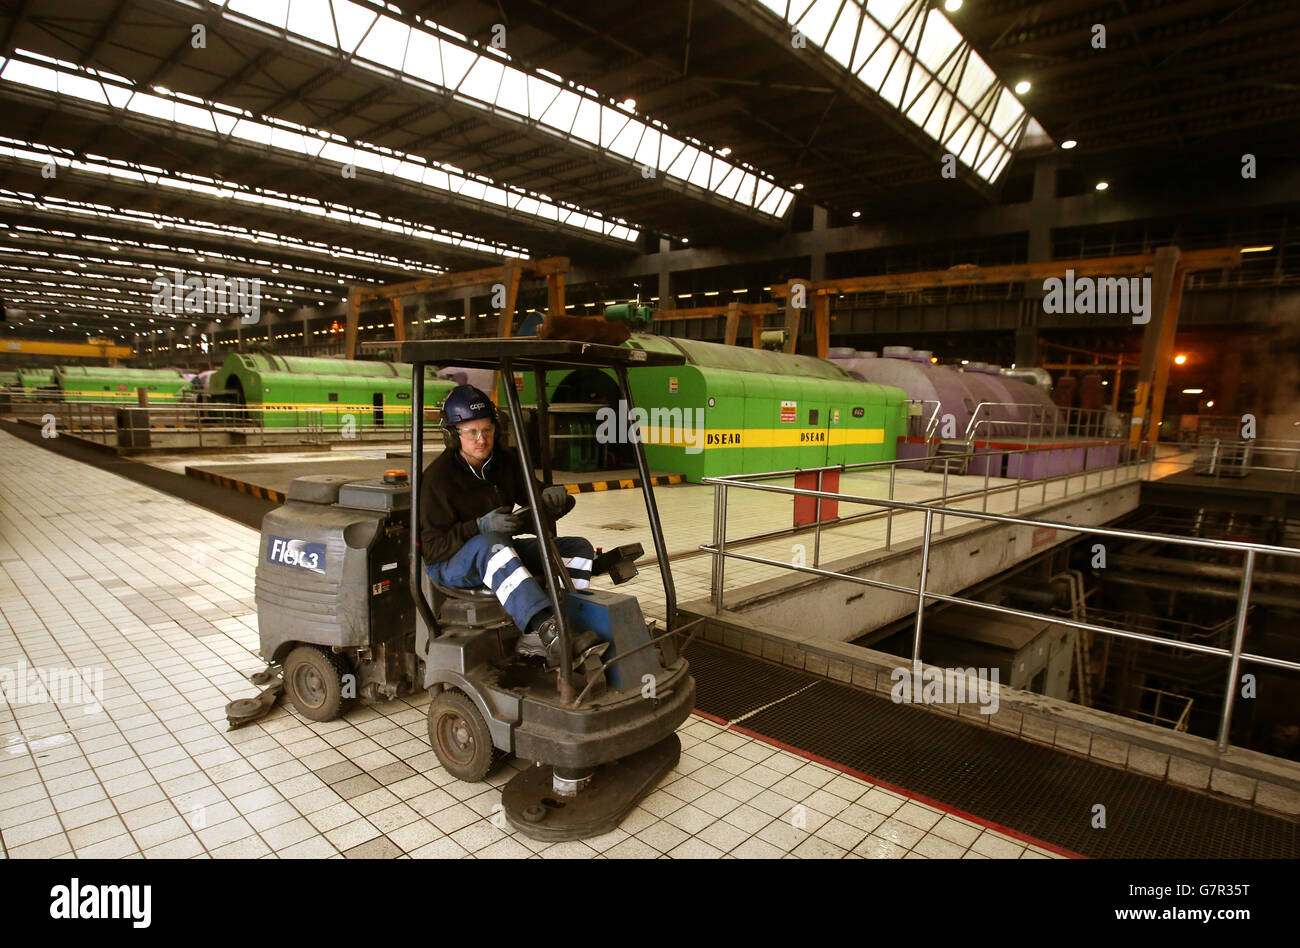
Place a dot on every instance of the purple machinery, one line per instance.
(1015, 411)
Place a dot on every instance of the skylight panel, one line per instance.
(513, 92)
(423, 58)
(627, 140)
(310, 18)
(887, 12)
(456, 61)
(562, 110)
(274, 12)
(938, 41)
(485, 78)
(1009, 111)
(902, 47)
(483, 81)
(386, 42)
(540, 97)
(195, 184)
(292, 138)
(353, 23)
(586, 126)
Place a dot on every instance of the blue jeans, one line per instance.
(506, 566)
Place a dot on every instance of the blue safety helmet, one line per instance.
(466, 403)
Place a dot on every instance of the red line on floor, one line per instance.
(817, 759)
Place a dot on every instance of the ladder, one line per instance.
(959, 451)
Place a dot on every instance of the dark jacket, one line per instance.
(453, 496)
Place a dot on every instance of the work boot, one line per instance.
(546, 642)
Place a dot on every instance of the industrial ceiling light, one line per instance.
(1210, 403)
(1180, 359)
(952, 6)
(1068, 144)
(1102, 185)
(1262, 249)
(857, 213)
(798, 186)
(1022, 87)
(1193, 391)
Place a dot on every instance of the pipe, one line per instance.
(1039, 377)
(1167, 564)
(1147, 581)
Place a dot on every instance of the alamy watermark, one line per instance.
(175, 294)
(66, 687)
(78, 900)
(670, 426)
(1101, 296)
(912, 685)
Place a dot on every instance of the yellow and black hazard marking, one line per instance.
(262, 493)
(662, 480)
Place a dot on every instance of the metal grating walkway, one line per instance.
(1030, 788)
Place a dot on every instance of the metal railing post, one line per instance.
(1214, 455)
(719, 542)
(987, 469)
(920, 597)
(817, 529)
(1238, 637)
(1020, 476)
(889, 517)
(944, 500)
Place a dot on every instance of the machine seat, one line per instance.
(476, 594)
(477, 607)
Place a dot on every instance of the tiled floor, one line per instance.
(156, 596)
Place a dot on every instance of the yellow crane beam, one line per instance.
(79, 350)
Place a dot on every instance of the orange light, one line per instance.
(934, 359)
(1180, 359)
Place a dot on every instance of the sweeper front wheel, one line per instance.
(460, 737)
(313, 682)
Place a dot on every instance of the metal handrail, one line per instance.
(1089, 422)
(1235, 655)
(947, 459)
(1179, 723)
(933, 422)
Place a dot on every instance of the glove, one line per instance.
(558, 501)
(501, 521)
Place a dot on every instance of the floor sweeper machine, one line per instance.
(346, 612)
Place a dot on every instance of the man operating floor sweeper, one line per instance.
(468, 530)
